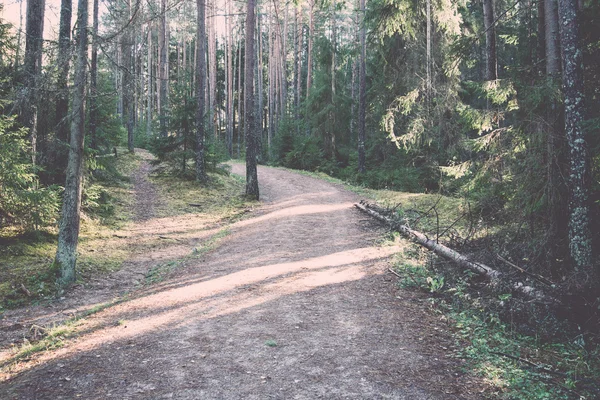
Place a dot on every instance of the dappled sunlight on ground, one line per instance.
(292, 294)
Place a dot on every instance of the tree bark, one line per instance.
(212, 68)
(34, 28)
(230, 53)
(62, 81)
(362, 96)
(250, 128)
(552, 38)
(68, 232)
(200, 90)
(541, 33)
(149, 69)
(94, 78)
(311, 27)
(241, 108)
(491, 63)
(580, 239)
(162, 70)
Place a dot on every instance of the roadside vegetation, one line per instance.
(27, 274)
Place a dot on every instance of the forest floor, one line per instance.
(293, 301)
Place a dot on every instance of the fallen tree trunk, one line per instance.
(481, 269)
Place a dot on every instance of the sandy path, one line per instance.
(294, 304)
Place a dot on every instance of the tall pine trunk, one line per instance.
(34, 32)
(150, 90)
(68, 231)
(62, 83)
(249, 118)
(491, 63)
(200, 90)
(162, 68)
(94, 78)
(230, 54)
(362, 94)
(580, 239)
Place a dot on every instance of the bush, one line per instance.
(22, 202)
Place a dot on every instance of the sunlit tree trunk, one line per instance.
(68, 231)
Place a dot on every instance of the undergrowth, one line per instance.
(26, 272)
(490, 338)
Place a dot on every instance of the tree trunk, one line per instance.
(555, 192)
(241, 108)
(491, 63)
(230, 120)
(32, 68)
(332, 115)
(311, 27)
(68, 231)
(212, 70)
(200, 90)
(428, 60)
(62, 83)
(149, 99)
(362, 94)
(580, 239)
(94, 78)
(259, 82)
(250, 128)
(552, 39)
(272, 83)
(127, 79)
(541, 33)
(162, 70)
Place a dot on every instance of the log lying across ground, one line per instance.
(481, 269)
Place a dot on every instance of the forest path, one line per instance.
(294, 303)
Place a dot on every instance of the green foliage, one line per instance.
(513, 364)
(22, 201)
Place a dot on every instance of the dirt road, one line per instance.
(295, 303)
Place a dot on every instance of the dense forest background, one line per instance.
(492, 102)
(462, 98)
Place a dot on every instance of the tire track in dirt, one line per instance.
(294, 304)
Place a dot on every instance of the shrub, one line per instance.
(22, 201)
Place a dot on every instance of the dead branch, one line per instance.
(523, 271)
(487, 272)
(194, 205)
(395, 273)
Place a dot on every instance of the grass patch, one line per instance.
(162, 271)
(221, 196)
